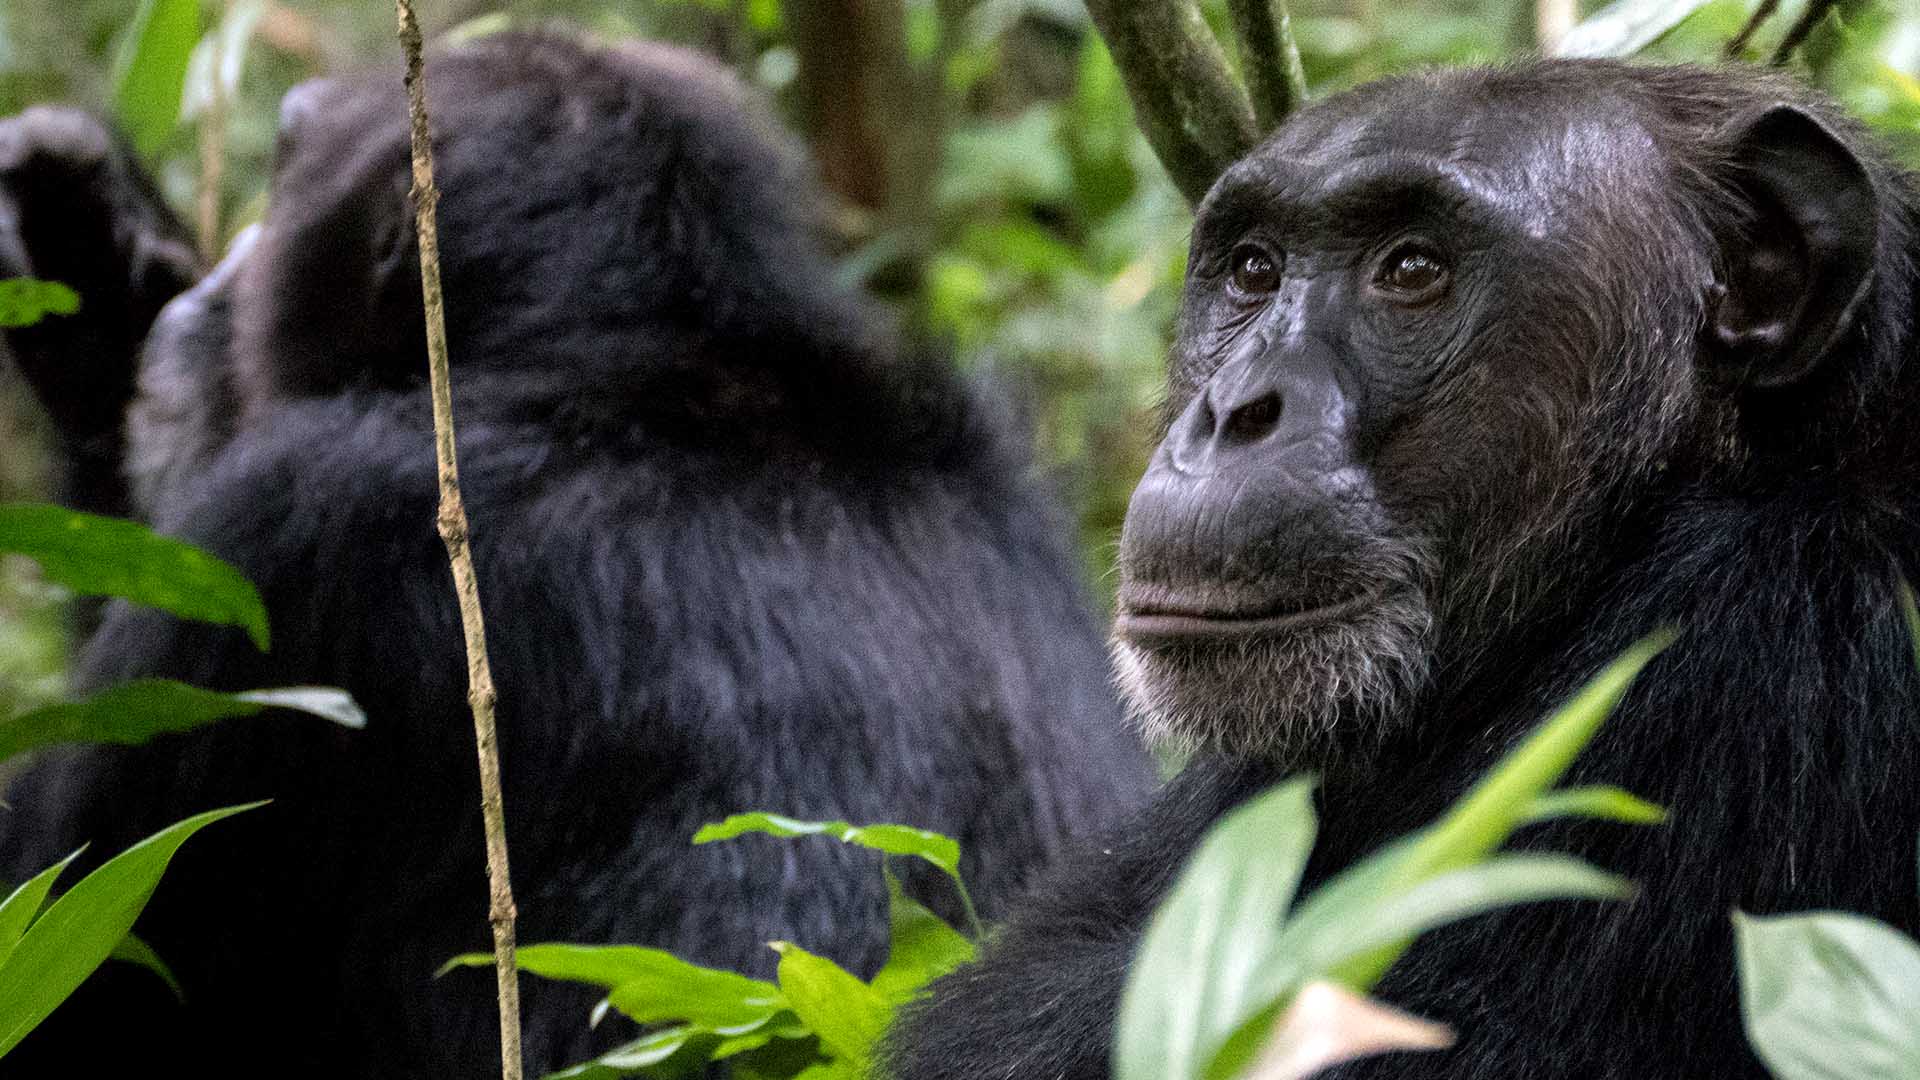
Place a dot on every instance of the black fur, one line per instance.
(1782, 728)
(738, 549)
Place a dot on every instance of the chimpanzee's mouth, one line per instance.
(1151, 616)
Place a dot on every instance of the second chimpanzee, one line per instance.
(1481, 377)
(739, 549)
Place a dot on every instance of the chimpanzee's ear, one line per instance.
(1797, 271)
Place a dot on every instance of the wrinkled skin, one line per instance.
(740, 548)
(1481, 377)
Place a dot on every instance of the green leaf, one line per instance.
(81, 929)
(135, 712)
(1624, 27)
(1830, 996)
(1600, 801)
(24, 301)
(131, 950)
(150, 69)
(1483, 818)
(629, 1058)
(21, 905)
(1501, 881)
(848, 1015)
(650, 985)
(941, 851)
(1206, 965)
(102, 556)
(923, 947)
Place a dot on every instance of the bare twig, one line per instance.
(452, 523)
(213, 151)
(1797, 34)
(1759, 17)
(1188, 104)
(1268, 58)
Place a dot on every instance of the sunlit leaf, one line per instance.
(1830, 996)
(229, 42)
(1624, 27)
(923, 947)
(848, 1015)
(103, 556)
(82, 928)
(150, 69)
(634, 1057)
(134, 712)
(941, 851)
(25, 301)
(1206, 964)
(649, 985)
(1602, 802)
(18, 910)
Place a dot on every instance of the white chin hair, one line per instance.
(1302, 697)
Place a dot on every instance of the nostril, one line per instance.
(1252, 421)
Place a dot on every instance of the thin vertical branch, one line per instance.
(452, 523)
(1269, 59)
(1194, 113)
(213, 149)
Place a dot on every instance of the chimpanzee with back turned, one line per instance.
(1482, 376)
(739, 549)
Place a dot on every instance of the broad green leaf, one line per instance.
(1600, 801)
(1500, 881)
(923, 947)
(1205, 966)
(1483, 818)
(81, 929)
(630, 1058)
(1830, 996)
(848, 1015)
(24, 301)
(135, 712)
(650, 985)
(150, 69)
(941, 851)
(132, 950)
(21, 905)
(102, 556)
(1624, 27)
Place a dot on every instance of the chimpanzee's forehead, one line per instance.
(1531, 154)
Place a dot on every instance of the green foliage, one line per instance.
(939, 850)
(151, 69)
(25, 301)
(101, 556)
(818, 1021)
(1227, 951)
(47, 957)
(1625, 27)
(135, 712)
(1830, 996)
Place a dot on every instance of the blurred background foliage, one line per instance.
(986, 174)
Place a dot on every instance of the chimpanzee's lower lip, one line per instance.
(1172, 624)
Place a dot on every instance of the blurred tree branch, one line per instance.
(1268, 58)
(1192, 110)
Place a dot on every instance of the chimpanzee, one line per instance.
(1481, 376)
(740, 547)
